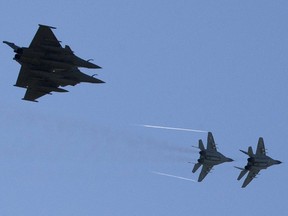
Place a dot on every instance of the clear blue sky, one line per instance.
(212, 65)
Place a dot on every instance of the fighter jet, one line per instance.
(46, 65)
(256, 162)
(208, 157)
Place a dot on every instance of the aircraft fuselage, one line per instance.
(260, 162)
(55, 57)
(210, 158)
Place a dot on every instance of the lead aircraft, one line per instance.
(46, 65)
(256, 162)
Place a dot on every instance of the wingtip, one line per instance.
(51, 27)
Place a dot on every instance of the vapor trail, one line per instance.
(174, 128)
(173, 176)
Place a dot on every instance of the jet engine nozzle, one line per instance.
(247, 167)
(201, 160)
(202, 153)
(17, 57)
(19, 51)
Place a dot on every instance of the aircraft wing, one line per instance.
(36, 87)
(211, 146)
(260, 147)
(23, 76)
(44, 37)
(39, 87)
(32, 94)
(251, 175)
(204, 171)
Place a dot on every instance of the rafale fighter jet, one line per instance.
(209, 157)
(256, 162)
(46, 65)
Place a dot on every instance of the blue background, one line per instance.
(219, 66)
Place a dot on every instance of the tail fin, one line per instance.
(12, 45)
(249, 153)
(201, 145)
(196, 167)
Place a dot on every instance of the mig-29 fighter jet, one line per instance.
(256, 162)
(208, 157)
(46, 65)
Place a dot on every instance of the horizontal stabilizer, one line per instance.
(239, 168)
(12, 45)
(242, 173)
(244, 152)
(196, 167)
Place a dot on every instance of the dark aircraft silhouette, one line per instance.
(46, 65)
(209, 157)
(256, 162)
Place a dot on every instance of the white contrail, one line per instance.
(174, 128)
(179, 177)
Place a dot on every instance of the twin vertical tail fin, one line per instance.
(201, 145)
(202, 148)
(249, 153)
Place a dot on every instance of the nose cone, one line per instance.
(277, 162)
(229, 159)
(88, 64)
(83, 63)
(91, 65)
(95, 80)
